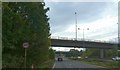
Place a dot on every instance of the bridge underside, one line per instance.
(80, 44)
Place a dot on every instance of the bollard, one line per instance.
(32, 66)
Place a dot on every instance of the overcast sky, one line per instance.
(100, 17)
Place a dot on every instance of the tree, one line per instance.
(73, 53)
(25, 22)
(91, 52)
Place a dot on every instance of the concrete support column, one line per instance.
(101, 53)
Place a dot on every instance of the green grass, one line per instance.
(108, 64)
(47, 64)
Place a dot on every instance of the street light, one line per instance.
(75, 29)
(76, 25)
(83, 35)
(118, 36)
(78, 29)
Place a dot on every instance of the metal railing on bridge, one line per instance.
(81, 39)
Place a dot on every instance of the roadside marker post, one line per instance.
(25, 45)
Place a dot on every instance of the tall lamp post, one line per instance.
(118, 48)
(75, 29)
(78, 29)
(76, 25)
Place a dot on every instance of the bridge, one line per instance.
(67, 42)
(80, 43)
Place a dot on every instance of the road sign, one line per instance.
(26, 45)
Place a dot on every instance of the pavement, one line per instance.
(68, 64)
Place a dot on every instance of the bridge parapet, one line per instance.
(81, 39)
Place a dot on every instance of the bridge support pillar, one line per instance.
(101, 53)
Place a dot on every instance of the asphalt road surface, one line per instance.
(72, 64)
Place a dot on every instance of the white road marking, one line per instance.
(53, 66)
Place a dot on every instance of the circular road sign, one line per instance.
(26, 45)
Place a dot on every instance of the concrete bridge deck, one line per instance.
(81, 44)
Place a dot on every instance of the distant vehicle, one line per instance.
(116, 58)
(60, 59)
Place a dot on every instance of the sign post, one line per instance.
(25, 45)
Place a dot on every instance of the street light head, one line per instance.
(75, 13)
(87, 28)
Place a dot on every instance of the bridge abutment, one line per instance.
(101, 53)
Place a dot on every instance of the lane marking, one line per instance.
(53, 66)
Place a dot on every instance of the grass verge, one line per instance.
(107, 64)
(47, 64)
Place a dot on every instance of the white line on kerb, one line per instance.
(53, 66)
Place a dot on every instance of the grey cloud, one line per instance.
(62, 14)
(64, 11)
(103, 35)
